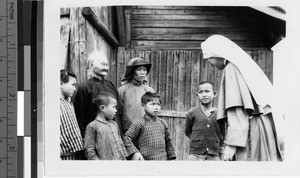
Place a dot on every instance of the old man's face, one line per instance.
(100, 66)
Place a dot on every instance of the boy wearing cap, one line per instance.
(134, 87)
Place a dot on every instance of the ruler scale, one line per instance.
(8, 88)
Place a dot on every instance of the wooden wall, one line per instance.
(185, 27)
(79, 39)
(169, 38)
(175, 74)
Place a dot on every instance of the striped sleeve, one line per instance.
(70, 138)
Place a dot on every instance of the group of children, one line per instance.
(148, 138)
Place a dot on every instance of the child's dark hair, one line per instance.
(64, 75)
(148, 96)
(206, 82)
(102, 98)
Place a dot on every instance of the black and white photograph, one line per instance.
(165, 87)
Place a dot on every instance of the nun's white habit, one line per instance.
(246, 101)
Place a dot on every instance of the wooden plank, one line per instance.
(101, 43)
(141, 54)
(180, 132)
(147, 58)
(187, 93)
(175, 80)
(74, 42)
(255, 56)
(249, 52)
(269, 65)
(216, 84)
(109, 20)
(120, 64)
(154, 72)
(65, 12)
(113, 65)
(261, 60)
(198, 17)
(195, 72)
(181, 81)
(186, 7)
(172, 113)
(102, 29)
(147, 55)
(171, 125)
(192, 37)
(127, 29)
(203, 68)
(186, 146)
(102, 15)
(210, 73)
(121, 25)
(162, 77)
(127, 57)
(82, 46)
(179, 30)
(189, 24)
(134, 54)
(165, 44)
(148, 45)
(64, 41)
(90, 39)
(91, 43)
(169, 80)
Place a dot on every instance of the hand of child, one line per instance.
(229, 152)
(137, 156)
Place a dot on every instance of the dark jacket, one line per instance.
(204, 132)
(86, 111)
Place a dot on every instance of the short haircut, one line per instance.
(65, 74)
(102, 98)
(206, 82)
(148, 96)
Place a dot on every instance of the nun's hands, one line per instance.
(229, 152)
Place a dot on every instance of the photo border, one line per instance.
(53, 166)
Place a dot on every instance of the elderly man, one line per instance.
(85, 110)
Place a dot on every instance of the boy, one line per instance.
(202, 128)
(71, 142)
(102, 136)
(151, 133)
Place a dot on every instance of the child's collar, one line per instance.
(100, 77)
(101, 119)
(149, 118)
(205, 110)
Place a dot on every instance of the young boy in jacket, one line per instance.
(102, 136)
(202, 128)
(151, 133)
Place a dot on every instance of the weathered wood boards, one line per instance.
(175, 74)
(185, 27)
